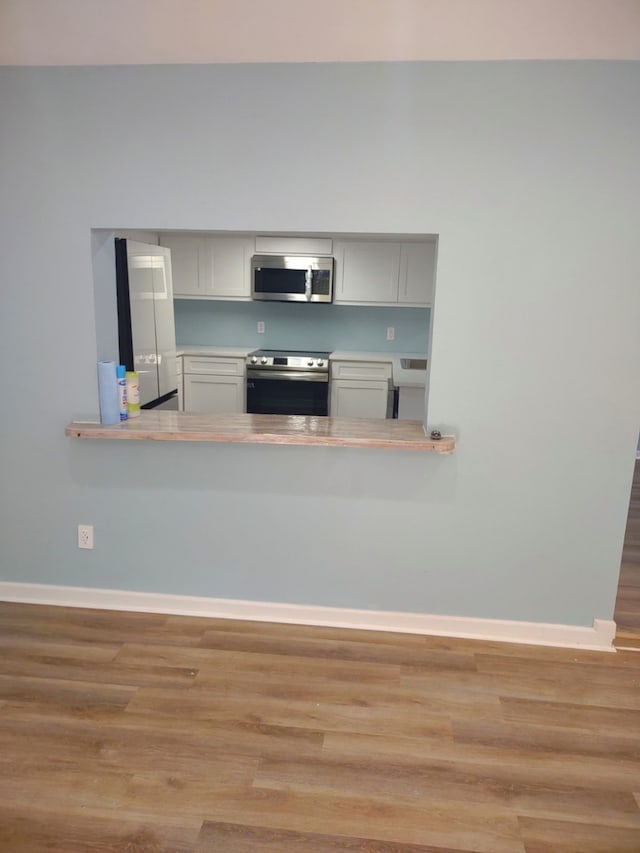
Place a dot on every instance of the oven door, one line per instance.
(287, 392)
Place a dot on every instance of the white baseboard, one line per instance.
(599, 636)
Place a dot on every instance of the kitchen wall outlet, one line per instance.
(260, 327)
(391, 333)
(85, 536)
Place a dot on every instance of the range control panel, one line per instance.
(289, 361)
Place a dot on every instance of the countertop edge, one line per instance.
(267, 429)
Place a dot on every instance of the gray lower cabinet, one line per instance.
(180, 383)
(353, 399)
(411, 404)
(214, 385)
(214, 394)
(360, 389)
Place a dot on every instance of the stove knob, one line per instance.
(310, 362)
(254, 359)
(263, 360)
(320, 362)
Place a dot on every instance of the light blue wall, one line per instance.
(291, 326)
(530, 174)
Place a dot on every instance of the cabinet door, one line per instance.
(180, 393)
(417, 273)
(184, 264)
(217, 267)
(224, 267)
(214, 394)
(180, 383)
(353, 399)
(411, 404)
(367, 271)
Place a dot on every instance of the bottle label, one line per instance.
(133, 395)
(122, 398)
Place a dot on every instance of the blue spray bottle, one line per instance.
(121, 375)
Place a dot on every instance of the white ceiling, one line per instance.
(115, 32)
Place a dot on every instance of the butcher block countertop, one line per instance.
(268, 429)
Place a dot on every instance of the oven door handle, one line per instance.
(292, 375)
(308, 282)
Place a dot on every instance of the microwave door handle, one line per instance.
(307, 283)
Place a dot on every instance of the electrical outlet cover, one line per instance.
(85, 536)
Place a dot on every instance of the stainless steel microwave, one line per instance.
(292, 278)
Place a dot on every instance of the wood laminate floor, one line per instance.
(627, 610)
(140, 732)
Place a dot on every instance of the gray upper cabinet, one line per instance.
(184, 264)
(376, 272)
(210, 267)
(228, 266)
(366, 272)
(417, 273)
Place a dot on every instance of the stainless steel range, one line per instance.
(288, 382)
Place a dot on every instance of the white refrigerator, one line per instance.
(146, 327)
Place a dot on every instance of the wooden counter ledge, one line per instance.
(268, 429)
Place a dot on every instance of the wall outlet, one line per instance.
(260, 327)
(391, 333)
(85, 536)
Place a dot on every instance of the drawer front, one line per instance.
(217, 365)
(178, 365)
(373, 370)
